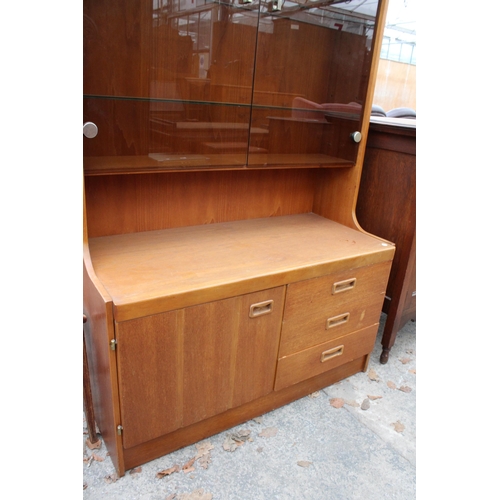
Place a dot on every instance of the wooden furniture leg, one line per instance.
(87, 395)
(402, 305)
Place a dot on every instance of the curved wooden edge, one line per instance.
(337, 189)
(87, 261)
(383, 240)
(376, 47)
(98, 331)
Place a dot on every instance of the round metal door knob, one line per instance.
(90, 130)
(356, 136)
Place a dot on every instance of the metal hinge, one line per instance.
(119, 430)
(112, 344)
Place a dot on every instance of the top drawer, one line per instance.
(322, 309)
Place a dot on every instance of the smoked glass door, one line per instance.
(168, 83)
(311, 79)
(188, 84)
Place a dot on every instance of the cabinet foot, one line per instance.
(384, 357)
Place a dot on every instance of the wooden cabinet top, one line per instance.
(154, 271)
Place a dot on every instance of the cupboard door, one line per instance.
(311, 80)
(183, 366)
(168, 83)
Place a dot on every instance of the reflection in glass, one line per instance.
(311, 79)
(177, 83)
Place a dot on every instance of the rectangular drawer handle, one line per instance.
(332, 353)
(261, 308)
(337, 320)
(343, 286)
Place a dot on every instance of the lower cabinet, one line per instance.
(184, 366)
(277, 309)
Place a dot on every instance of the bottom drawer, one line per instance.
(323, 357)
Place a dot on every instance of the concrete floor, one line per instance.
(310, 450)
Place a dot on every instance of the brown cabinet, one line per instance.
(387, 207)
(224, 271)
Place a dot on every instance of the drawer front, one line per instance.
(321, 358)
(325, 308)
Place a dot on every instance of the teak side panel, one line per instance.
(335, 195)
(98, 330)
(180, 367)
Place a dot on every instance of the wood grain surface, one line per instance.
(156, 271)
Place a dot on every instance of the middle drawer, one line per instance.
(322, 309)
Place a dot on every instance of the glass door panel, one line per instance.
(312, 66)
(168, 83)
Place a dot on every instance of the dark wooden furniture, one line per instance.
(387, 207)
(225, 273)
